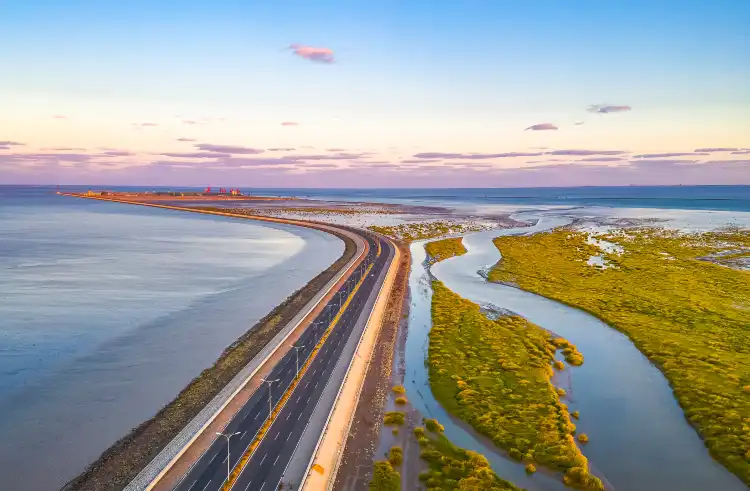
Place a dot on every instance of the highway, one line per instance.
(264, 471)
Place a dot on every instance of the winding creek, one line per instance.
(640, 439)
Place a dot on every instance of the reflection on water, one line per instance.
(639, 438)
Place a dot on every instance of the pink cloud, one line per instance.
(186, 139)
(59, 116)
(542, 127)
(318, 55)
(607, 108)
(145, 125)
(289, 123)
(208, 147)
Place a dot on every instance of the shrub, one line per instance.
(530, 469)
(394, 418)
(433, 425)
(385, 477)
(401, 401)
(559, 365)
(418, 432)
(575, 414)
(394, 431)
(561, 392)
(399, 389)
(583, 438)
(396, 456)
(515, 454)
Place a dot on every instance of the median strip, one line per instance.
(288, 393)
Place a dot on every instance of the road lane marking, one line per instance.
(277, 436)
(256, 415)
(204, 487)
(264, 458)
(225, 459)
(277, 459)
(287, 439)
(212, 460)
(243, 434)
(248, 485)
(191, 486)
(261, 486)
(287, 416)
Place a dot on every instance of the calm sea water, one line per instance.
(108, 310)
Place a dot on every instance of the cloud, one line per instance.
(542, 127)
(607, 108)
(59, 116)
(579, 123)
(63, 157)
(335, 150)
(741, 152)
(63, 149)
(601, 159)
(117, 153)
(289, 123)
(11, 144)
(197, 155)
(663, 162)
(189, 121)
(318, 55)
(584, 153)
(145, 125)
(4, 147)
(281, 149)
(337, 156)
(419, 161)
(474, 156)
(718, 149)
(186, 139)
(674, 154)
(208, 147)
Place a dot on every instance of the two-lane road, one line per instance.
(264, 471)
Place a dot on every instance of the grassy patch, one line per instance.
(409, 232)
(385, 477)
(688, 316)
(495, 375)
(394, 418)
(443, 249)
(453, 468)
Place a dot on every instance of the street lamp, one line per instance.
(229, 469)
(296, 351)
(270, 400)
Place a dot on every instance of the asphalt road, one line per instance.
(264, 471)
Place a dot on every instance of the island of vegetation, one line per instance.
(681, 299)
(440, 250)
(409, 232)
(496, 375)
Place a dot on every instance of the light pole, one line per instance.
(270, 400)
(229, 469)
(296, 351)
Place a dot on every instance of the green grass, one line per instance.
(385, 477)
(452, 468)
(443, 249)
(495, 375)
(394, 418)
(690, 317)
(409, 232)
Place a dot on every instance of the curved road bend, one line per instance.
(264, 471)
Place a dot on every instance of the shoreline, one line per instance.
(124, 459)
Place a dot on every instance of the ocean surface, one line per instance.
(108, 310)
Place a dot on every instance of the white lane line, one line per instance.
(212, 460)
(277, 436)
(243, 434)
(225, 459)
(256, 415)
(315, 386)
(264, 458)
(287, 439)
(204, 487)
(261, 486)
(248, 485)
(307, 385)
(277, 459)
(307, 401)
(191, 486)
(299, 416)
(287, 416)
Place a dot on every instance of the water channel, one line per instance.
(639, 438)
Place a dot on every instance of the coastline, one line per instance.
(123, 460)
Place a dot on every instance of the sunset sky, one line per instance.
(348, 93)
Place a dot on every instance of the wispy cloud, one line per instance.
(11, 144)
(474, 156)
(673, 154)
(584, 153)
(578, 123)
(336, 156)
(318, 55)
(281, 149)
(741, 152)
(289, 123)
(196, 155)
(208, 147)
(607, 108)
(186, 139)
(117, 153)
(601, 159)
(59, 116)
(542, 127)
(717, 149)
(145, 125)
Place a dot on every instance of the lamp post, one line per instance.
(296, 351)
(270, 400)
(229, 468)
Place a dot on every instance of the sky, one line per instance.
(349, 93)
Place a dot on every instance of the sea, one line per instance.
(108, 310)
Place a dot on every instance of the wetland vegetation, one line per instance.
(409, 232)
(440, 250)
(679, 299)
(496, 375)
